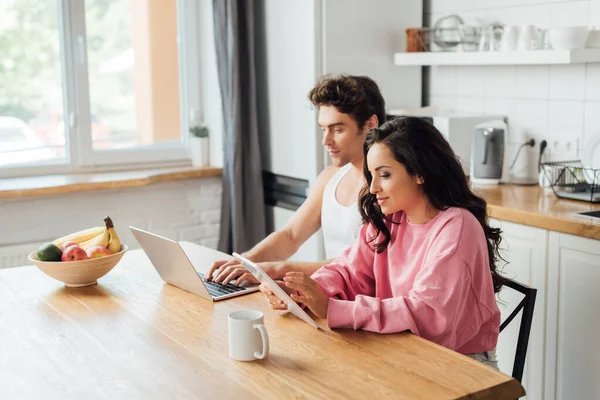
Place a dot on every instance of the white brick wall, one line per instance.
(180, 210)
(544, 102)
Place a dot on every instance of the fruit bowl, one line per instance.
(78, 273)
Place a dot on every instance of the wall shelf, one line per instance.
(540, 57)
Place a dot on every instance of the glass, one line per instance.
(491, 36)
(133, 72)
(31, 88)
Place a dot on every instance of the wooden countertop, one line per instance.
(132, 336)
(70, 183)
(534, 206)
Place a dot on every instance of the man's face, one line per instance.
(342, 137)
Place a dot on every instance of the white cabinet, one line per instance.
(563, 359)
(573, 318)
(525, 250)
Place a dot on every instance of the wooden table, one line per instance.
(133, 337)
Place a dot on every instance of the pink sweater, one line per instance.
(432, 279)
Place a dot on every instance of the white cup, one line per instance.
(248, 339)
(510, 35)
(529, 38)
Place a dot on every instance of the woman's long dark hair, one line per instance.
(424, 152)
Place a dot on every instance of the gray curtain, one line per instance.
(242, 208)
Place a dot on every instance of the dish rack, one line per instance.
(571, 180)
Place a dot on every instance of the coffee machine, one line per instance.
(489, 165)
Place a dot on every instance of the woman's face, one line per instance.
(394, 188)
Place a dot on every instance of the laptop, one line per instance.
(183, 265)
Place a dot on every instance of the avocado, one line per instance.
(49, 252)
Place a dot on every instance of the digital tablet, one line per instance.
(265, 279)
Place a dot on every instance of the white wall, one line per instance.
(360, 38)
(180, 210)
(306, 39)
(556, 103)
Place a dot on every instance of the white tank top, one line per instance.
(340, 224)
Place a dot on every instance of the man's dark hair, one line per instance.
(357, 96)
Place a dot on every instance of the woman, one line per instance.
(425, 260)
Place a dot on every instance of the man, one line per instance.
(349, 106)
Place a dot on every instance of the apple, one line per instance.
(68, 244)
(74, 253)
(97, 252)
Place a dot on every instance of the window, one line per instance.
(95, 84)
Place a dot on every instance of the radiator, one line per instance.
(16, 255)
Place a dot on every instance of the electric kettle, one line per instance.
(488, 153)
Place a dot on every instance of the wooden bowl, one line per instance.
(78, 273)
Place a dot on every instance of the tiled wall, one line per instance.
(556, 103)
(180, 210)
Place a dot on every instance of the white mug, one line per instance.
(248, 339)
(508, 41)
(529, 38)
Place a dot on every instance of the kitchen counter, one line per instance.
(534, 206)
(70, 183)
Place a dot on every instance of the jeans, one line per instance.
(486, 357)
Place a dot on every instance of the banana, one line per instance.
(100, 240)
(114, 245)
(81, 236)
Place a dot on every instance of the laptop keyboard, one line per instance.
(218, 289)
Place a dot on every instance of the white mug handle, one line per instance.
(265, 340)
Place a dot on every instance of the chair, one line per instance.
(527, 304)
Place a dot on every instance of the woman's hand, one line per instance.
(274, 301)
(310, 293)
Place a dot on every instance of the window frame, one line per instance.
(80, 155)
